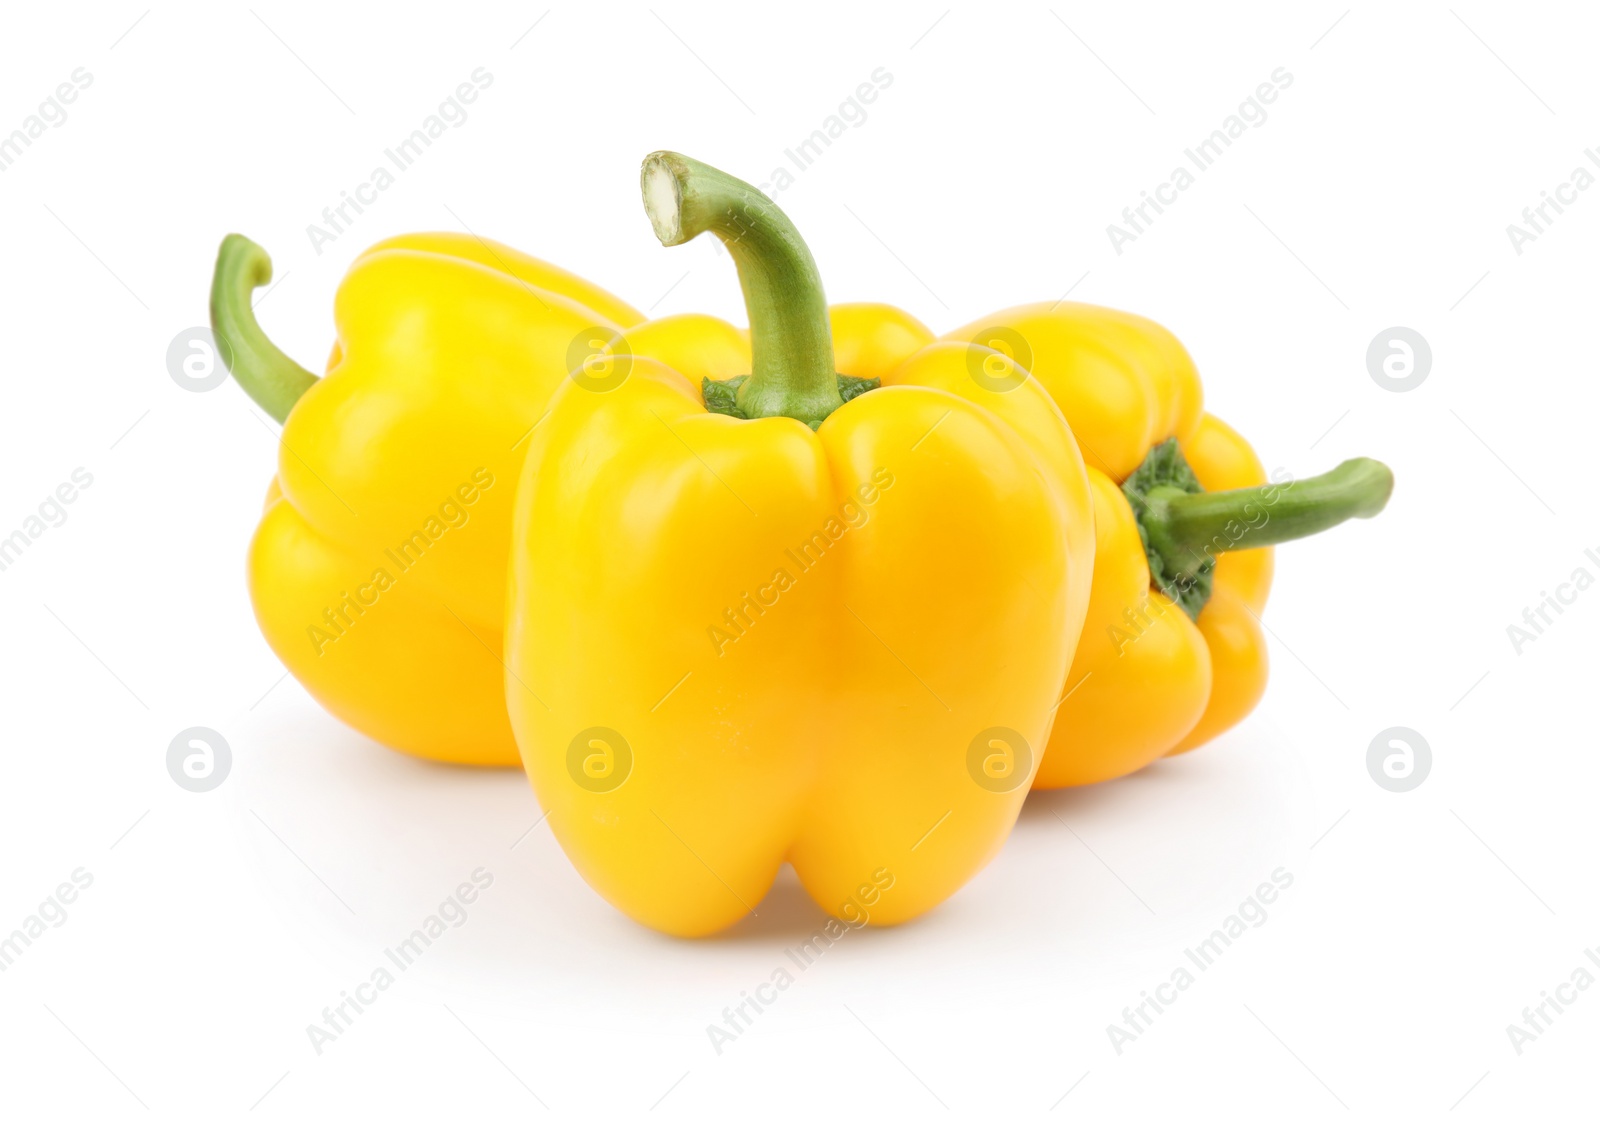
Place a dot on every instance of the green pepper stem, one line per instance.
(1188, 530)
(791, 344)
(271, 378)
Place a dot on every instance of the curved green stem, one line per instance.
(271, 378)
(791, 344)
(1184, 528)
(1357, 488)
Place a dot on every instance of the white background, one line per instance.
(1377, 193)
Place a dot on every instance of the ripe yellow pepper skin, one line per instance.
(377, 572)
(1127, 703)
(871, 340)
(1153, 676)
(735, 642)
(1230, 622)
(1124, 383)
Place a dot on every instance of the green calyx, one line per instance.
(1164, 474)
(1184, 528)
(271, 378)
(723, 396)
(791, 344)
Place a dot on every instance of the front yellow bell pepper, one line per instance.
(750, 623)
(378, 569)
(1172, 652)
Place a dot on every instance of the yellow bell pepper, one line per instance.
(1172, 652)
(378, 569)
(449, 347)
(751, 623)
